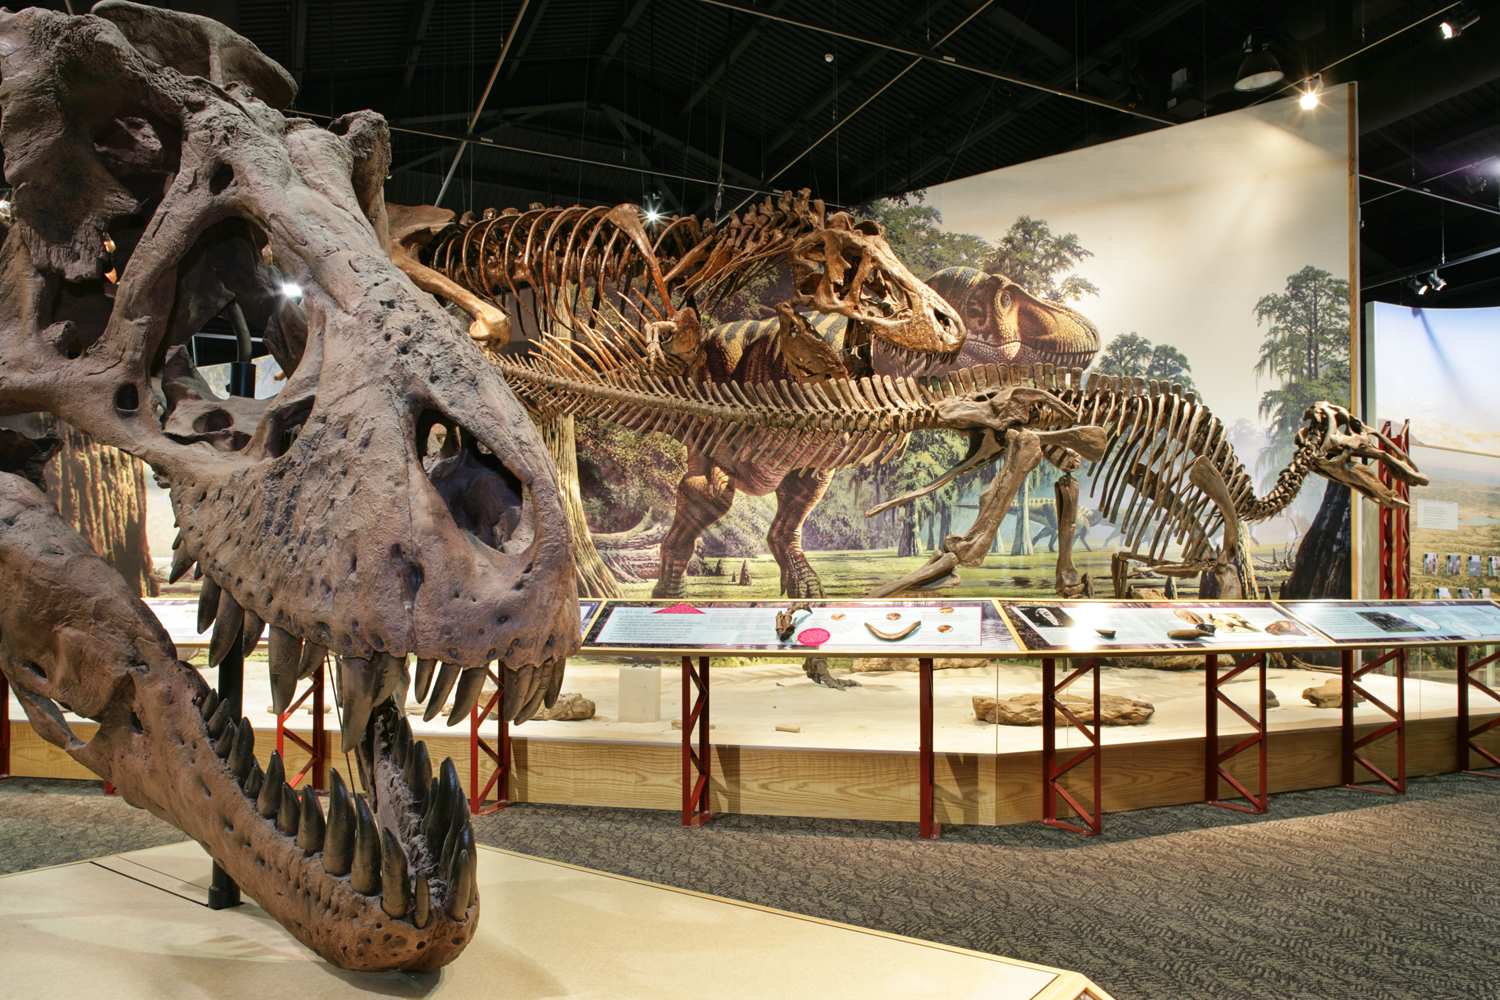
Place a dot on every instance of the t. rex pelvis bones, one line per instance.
(155, 185)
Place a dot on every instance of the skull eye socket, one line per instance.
(127, 398)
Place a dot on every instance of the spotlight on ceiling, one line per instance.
(1311, 92)
(1418, 285)
(652, 215)
(1259, 69)
(1436, 281)
(292, 290)
(1459, 23)
(828, 57)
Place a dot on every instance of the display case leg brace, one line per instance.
(499, 753)
(696, 763)
(1466, 744)
(928, 826)
(317, 762)
(1351, 747)
(1052, 771)
(1214, 762)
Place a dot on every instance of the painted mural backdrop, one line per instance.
(1214, 254)
(1436, 368)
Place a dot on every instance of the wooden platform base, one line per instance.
(982, 789)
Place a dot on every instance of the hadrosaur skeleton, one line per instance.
(155, 184)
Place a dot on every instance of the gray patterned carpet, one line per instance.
(1334, 895)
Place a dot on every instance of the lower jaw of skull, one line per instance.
(374, 882)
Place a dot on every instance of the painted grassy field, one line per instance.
(1476, 502)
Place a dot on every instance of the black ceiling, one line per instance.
(634, 100)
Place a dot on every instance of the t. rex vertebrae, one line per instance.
(145, 148)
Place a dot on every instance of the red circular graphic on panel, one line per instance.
(814, 637)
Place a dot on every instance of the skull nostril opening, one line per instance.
(223, 176)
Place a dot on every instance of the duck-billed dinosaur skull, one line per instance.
(155, 183)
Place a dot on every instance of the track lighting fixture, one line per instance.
(1259, 69)
(1435, 281)
(1460, 22)
(1418, 285)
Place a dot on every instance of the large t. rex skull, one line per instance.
(142, 149)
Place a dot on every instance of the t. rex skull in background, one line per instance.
(145, 148)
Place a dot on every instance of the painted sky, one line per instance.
(1189, 225)
(1436, 368)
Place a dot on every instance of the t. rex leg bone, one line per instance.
(1067, 582)
(1204, 476)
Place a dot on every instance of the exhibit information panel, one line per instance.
(1097, 626)
(586, 612)
(895, 628)
(179, 616)
(1396, 622)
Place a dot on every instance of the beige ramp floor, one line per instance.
(133, 926)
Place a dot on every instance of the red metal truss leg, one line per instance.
(1397, 725)
(1214, 762)
(695, 762)
(1052, 772)
(317, 756)
(930, 828)
(499, 754)
(1466, 735)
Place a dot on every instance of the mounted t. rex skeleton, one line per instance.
(155, 184)
(609, 291)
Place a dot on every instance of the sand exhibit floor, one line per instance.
(138, 925)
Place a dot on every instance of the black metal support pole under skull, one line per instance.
(222, 890)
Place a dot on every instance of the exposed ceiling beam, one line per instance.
(1099, 57)
(645, 161)
(616, 39)
(421, 17)
(746, 39)
(299, 40)
(526, 37)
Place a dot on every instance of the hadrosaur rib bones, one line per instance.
(156, 185)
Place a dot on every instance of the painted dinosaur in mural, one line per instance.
(1042, 511)
(156, 184)
(843, 330)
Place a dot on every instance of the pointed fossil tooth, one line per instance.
(268, 803)
(421, 907)
(458, 890)
(356, 697)
(243, 754)
(532, 704)
(210, 703)
(310, 826)
(418, 773)
(182, 561)
(227, 625)
(554, 682)
(517, 687)
(255, 781)
(364, 873)
(441, 812)
(224, 742)
(283, 652)
(290, 812)
(466, 695)
(208, 604)
(338, 838)
(446, 678)
(253, 629)
(464, 877)
(456, 827)
(401, 746)
(313, 656)
(220, 719)
(423, 679)
(395, 895)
